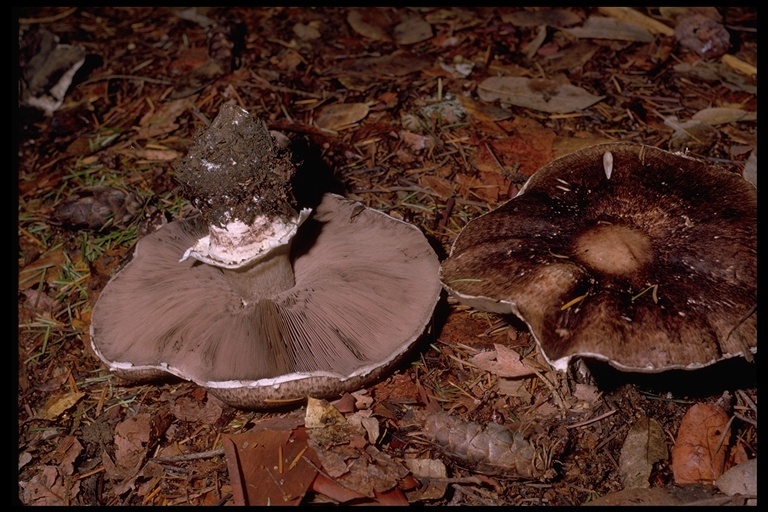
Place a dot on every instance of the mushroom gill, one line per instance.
(258, 303)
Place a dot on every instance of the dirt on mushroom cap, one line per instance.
(236, 170)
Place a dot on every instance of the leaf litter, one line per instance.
(417, 134)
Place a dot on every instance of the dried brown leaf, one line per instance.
(163, 120)
(58, 404)
(151, 155)
(750, 168)
(308, 32)
(371, 23)
(536, 93)
(600, 27)
(740, 479)
(340, 115)
(551, 17)
(502, 362)
(529, 148)
(187, 408)
(388, 66)
(134, 438)
(67, 451)
(48, 488)
(721, 115)
(484, 111)
(701, 445)
(663, 496)
(644, 446)
(634, 16)
(275, 466)
(412, 30)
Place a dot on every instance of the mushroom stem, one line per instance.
(264, 278)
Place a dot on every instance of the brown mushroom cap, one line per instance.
(623, 253)
(365, 288)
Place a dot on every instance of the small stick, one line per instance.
(190, 456)
(592, 420)
(446, 213)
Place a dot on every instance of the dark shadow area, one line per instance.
(313, 176)
(728, 375)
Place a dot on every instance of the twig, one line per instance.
(127, 77)
(49, 19)
(592, 420)
(746, 399)
(446, 213)
(745, 419)
(190, 456)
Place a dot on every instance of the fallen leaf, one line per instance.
(151, 155)
(416, 142)
(307, 32)
(750, 168)
(574, 57)
(134, 437)
(536, 93)
(340, 115)
(188, 409)
(24, 459)
(57, 405)
(335, 490)
(412, 30)
(564, 145)
(600, 27)
(67, 451)
(484, 111)
(691, 134)
(721, 115)
(47, 488)
(551, 17)
(490, 187)
(587, 393)
(714, 72)
(664, 496)
(701, 445)
(388, 66)
(502, 362)
(163, 120)
(740, 479)
(644, 446)
(634, 16)
(371, 23)
(521, 154)
(271, 465)
(367, 422)
(50, 262)
(515, 387)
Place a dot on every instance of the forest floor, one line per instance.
(393, 104)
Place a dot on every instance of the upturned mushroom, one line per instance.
(623, 253)
(260, 303)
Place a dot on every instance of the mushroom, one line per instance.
(623, 253)
(258, 303)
